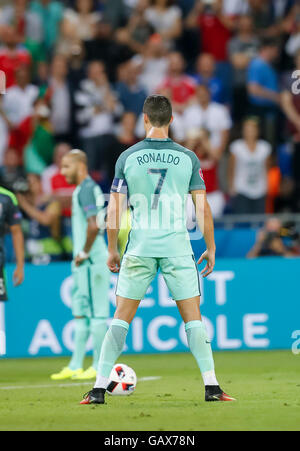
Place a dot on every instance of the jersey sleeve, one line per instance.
(14, 216)
(88, 202)
(197, 180)
(119, 184)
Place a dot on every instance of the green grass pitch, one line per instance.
(266, 384)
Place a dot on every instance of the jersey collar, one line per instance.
(158, 139)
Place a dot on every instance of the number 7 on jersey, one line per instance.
(163, 173)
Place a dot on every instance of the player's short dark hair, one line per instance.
(158, 109)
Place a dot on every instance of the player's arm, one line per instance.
(116, 207)
(88, 203)
(206, 225)
(115, 210)
(91, 235)
(203, 215)
(14, 222)
(18, 243)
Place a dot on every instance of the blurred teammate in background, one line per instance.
(10, 217)
(90, 300)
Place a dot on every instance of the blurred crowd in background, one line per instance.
(78, 73)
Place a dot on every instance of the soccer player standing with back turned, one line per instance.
(158, 174)
(90, 296)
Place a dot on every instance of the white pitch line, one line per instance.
(75, 384)
(149, 378)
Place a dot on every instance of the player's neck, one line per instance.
(80, 177)
(158, 133)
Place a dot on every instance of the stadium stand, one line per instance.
(77, 75)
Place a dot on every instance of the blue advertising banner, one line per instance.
(246, 304)
(235, 243)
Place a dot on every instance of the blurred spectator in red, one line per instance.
(177, 86)
(215, 27)
(26, 23)
(165, 18)
(60, 151)
(12, 54)
(60, 97)
(205, 75)
(198, 141)
(131, 93)
(154, 64)
(54, 183)
(79, 24)
(248, 165)
(290, 100)
(209, 115)
(17, 109)
(242, 48)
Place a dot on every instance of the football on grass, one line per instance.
(122, 380)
